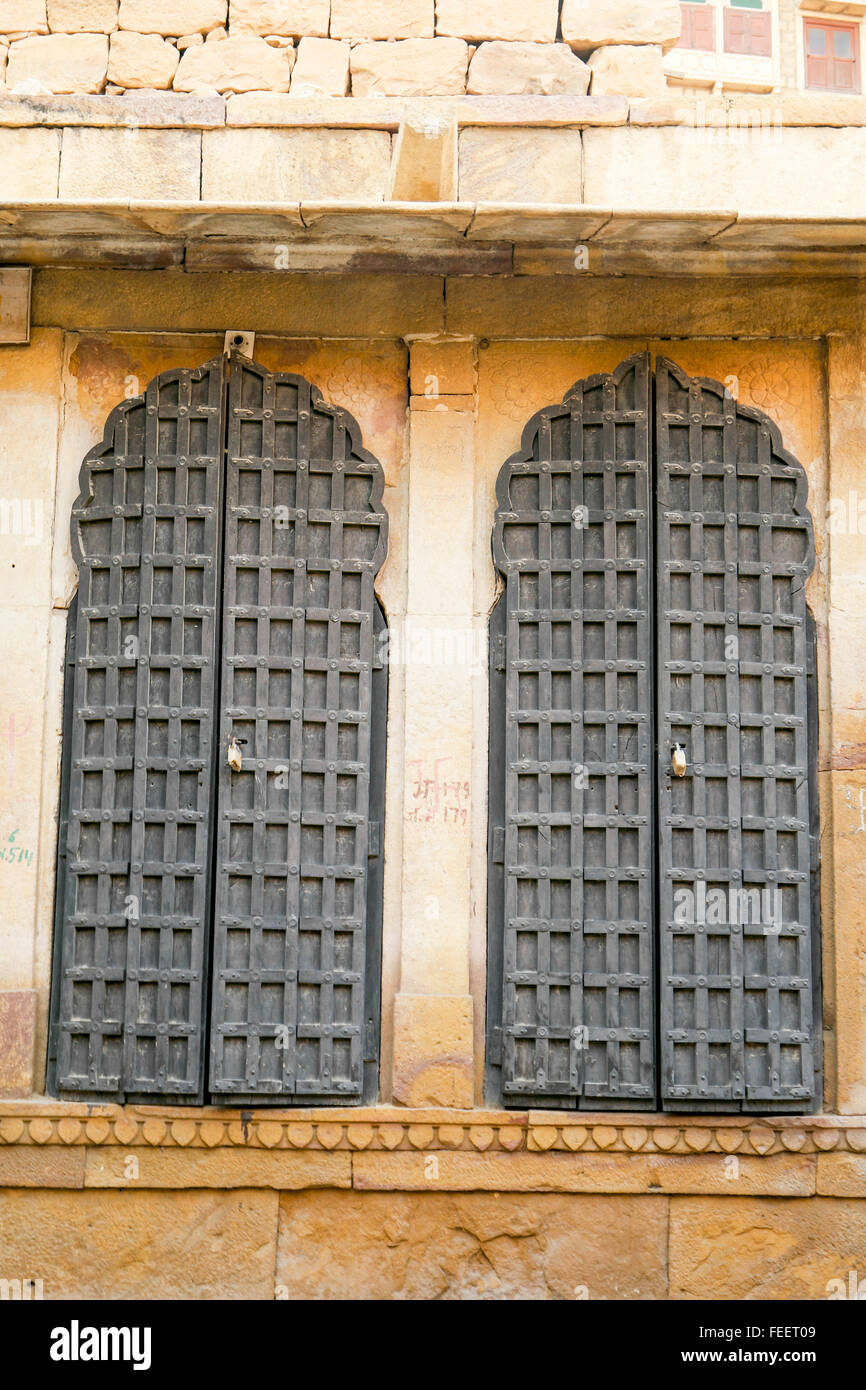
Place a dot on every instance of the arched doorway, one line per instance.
(653, 933)
(223, 781)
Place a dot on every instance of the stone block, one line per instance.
(527, 69)
(135, 164)
(643, 168)
(751, 110)
(142, 60)
(382, 19)
(785, 1175)
(424, 167)
(30, 416)
(628, 70)
(842, 1175)
(17, 1035)
(138, 1245)
(741, 1247)
(512, 165)
(433, 1062)
(172, 20)
(19, 17)
(82, 16)
(155, 110)
(444, 658)
(589, 24)
(24, 633)
(413, 67)
(298, 18)
(534, 22)
(433, 1245)
(219, 1167)
(634, 307)
(321, 68)
(30, 161)
(443, 368)
(235, 65)
(28, 1165)
(440, 583)
(848, 793)
(60, 62)
(380, 306)
(291, 165)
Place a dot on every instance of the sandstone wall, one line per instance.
(732, 157)
(100, 1202)
(437, 1196)
(335, 47)
(442, 374)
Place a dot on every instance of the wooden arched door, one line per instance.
(652, 924)
(219, 860)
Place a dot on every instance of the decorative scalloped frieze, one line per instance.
(413, 1131)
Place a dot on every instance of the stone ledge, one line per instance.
(743, 114)
(783, 1175)
(737, 1134)
(542, 223)
(168, 110)
(386, 113)
(385, 1129)
(428, 239)
(391, 1128)
(787, 109)
(162, 110)
(46, 1144)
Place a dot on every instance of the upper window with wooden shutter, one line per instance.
(748, 30)
(699, 27)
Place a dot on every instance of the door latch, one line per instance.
(235, 756)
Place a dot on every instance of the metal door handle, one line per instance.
(234, 756)
(678, 760)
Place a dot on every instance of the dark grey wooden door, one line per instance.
(735, 549)
(228, 534)
(571, 788)
(305, 538)
(652, 920)
(136, 830)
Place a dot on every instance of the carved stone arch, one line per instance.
(161, 497)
